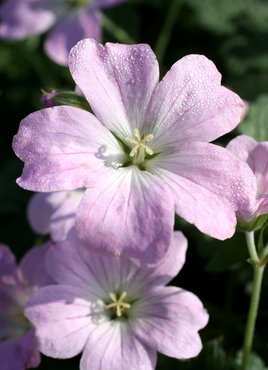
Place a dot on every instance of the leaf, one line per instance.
(256, 122)
(254, 362)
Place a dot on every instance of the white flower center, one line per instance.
(140, 143)
(117, 304)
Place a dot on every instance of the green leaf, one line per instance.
(62, 97)
(254, 362)
(256, 122)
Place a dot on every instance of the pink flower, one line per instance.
(144, 154)
(54, 213)
(117, 314)
(18, 343)
(256, 156)
(73, 19)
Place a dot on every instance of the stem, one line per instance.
(252, 247)
(163, 39)
(119, 33)
(254, 301)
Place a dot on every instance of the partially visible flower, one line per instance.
(54, 213)
(47, 98)
(145, 154)
(117, 314)
(73, 20)
(18, 343)
(256, 156)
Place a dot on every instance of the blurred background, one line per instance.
(232, 33)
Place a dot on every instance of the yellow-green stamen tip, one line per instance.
(140, 142)
(118, 304)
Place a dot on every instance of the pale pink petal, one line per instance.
(241, 146)
(258, 161)
(22, 18)
(255, 154)
(190, 104)
(80, 25)
(63, 149)
(33, 266)
(117, 80)
(63, 219)
(209, 184)
(139, 281)
(173, 317)
(20, 354)
(130, 213)
(40, 208)
(68, 262)
(54, 213)
(7, 261)
(171, 264)
(62, 319)
(112, 346)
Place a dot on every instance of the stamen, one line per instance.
(118, 304)
(140, 143)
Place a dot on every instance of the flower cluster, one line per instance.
(111, 182)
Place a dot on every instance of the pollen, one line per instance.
(140, 142)
(118, 304)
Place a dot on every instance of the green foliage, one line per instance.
(255, 362)
(226, 16)
(256, 122)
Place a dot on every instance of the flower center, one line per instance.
(117, 303)
(140, 143)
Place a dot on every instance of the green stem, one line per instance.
(163, 39)
(254, 301)
(252, 247)
(119, 33)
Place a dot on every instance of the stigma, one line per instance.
(140, 143)
(118, 304)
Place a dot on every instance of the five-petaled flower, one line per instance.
(18, 343)
(117, 314)
(144, 154)
(256, 156)
(73, 19)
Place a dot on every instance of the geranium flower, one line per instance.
(117, 314)
(73, 19)
(54, 213)
(18, 343)
(256, 156)
(145, 153)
